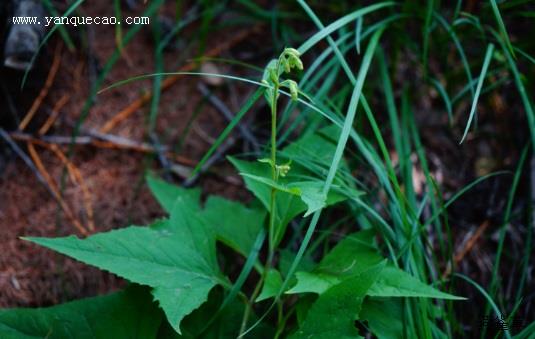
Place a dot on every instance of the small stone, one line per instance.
(211, 68)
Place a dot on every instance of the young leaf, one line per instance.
(126, 314)
(394, 282)
(272, 284)
(175, 257)
(290, 191)
(334, 313)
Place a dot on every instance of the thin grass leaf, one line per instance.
(442, 91)
(488, 297)
(486, 62)
(501, 26)
(313, 40)
(62, 31)
(337, 52)
(459, 47)
(358, 33)
(427, 32)
(521, 89)
(525, 55)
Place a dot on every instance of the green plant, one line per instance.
(341, 246)
(177, 256)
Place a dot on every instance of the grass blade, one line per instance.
(340, 23)
(501, 26)
(486, 62)
(245, 108)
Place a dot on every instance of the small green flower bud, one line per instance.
(294, 91)
(292, 51)
(283, 170)
(273, 76)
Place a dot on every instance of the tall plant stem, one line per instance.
(274, 175)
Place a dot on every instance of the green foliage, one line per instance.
(354, 255)
(176, 257)
(351, 243)
(126, 314)
(340, 304)
(272, 285)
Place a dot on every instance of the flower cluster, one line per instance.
(288, 60)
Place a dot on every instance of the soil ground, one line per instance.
(33, 276)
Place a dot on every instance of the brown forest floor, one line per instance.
(30, 275)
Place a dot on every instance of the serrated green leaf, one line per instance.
(126, 314)
(167, 193)
(176, 257)
(272, 285)
(351, 256)
(333, 315)
(394, 282)
(234, 224)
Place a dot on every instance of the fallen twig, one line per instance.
(221, 107)
(21, 154)
(100, 140)
(54, 114)
(77, 177)
(468, 245)
(55, 189)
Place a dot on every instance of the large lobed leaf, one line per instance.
(176, 257)
(350, 272)
(333, 315)
(127, 314)
(353, 255)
